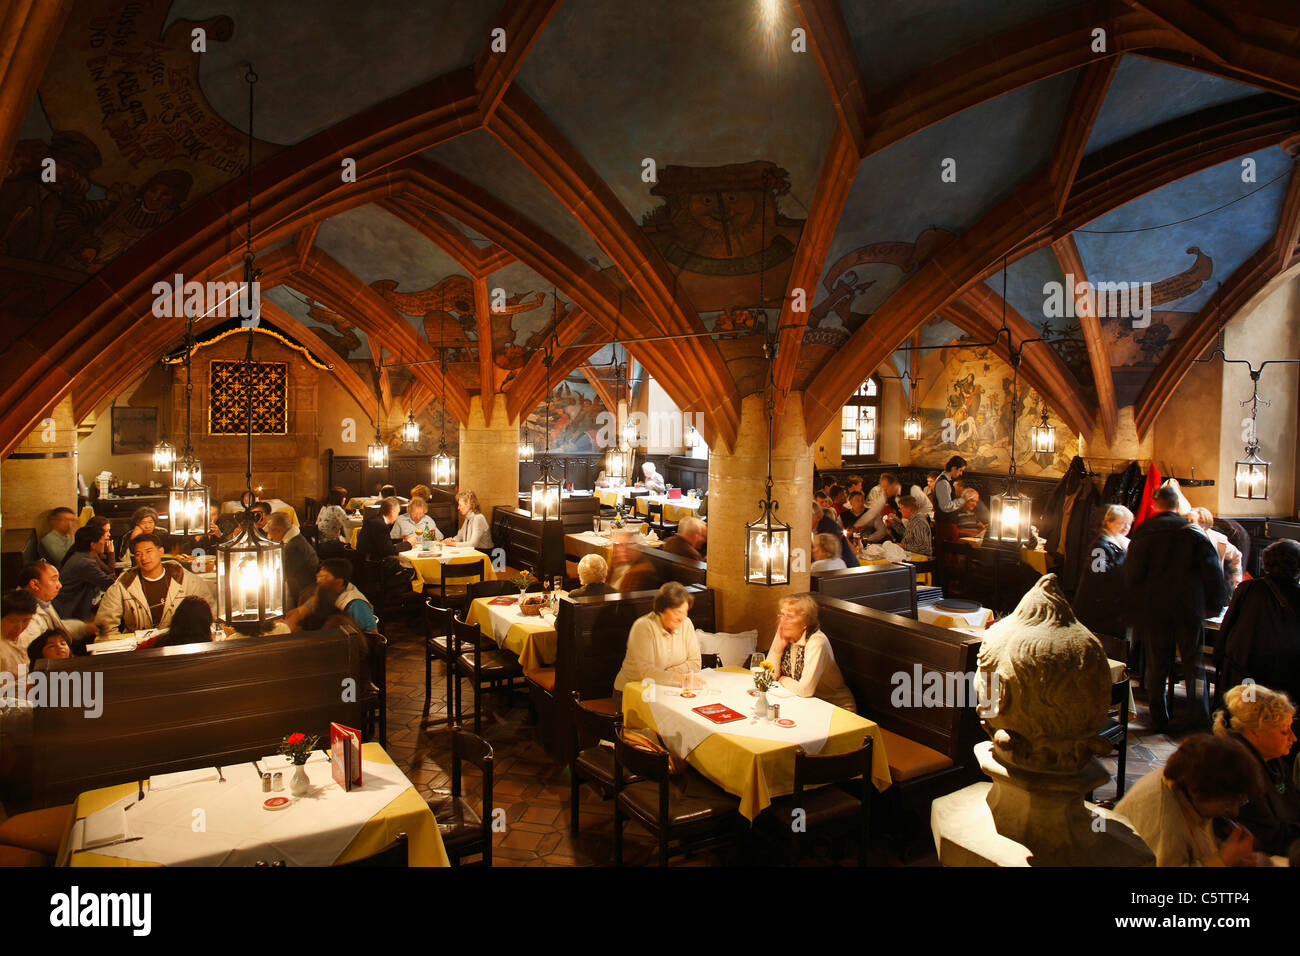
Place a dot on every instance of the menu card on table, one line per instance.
(503, 601)
(345, 756)
(718, 713)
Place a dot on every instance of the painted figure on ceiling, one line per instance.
(30, 208)
(92, 233)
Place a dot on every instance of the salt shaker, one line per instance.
(266, 783)
(277, 782)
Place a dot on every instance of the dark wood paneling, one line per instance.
(200, 705)
(871, 647)
(886, 587)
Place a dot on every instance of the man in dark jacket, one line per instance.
(1260, 635)
(1174, 580)
(375, 540)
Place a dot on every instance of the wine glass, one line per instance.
(755, 668)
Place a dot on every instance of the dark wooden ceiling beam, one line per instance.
(833, 48)
(1071, 263)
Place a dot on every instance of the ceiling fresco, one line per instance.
(142, 129)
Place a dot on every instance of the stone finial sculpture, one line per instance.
(1045, 685)
(1045, 689)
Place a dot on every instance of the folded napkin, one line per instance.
(112, 647)
(105, 826)
(170, 781)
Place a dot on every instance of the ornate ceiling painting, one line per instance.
(671, 171)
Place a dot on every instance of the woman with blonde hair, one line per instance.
(1101, 603)
(474, 531)
(1261, 719)
(802, 654)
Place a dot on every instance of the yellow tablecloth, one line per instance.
(430, 569)
(533, 643)
(352, 536)
(1034, 558)
(610, 497)
(407, 814)
(675, 509)
(758, 770)
(288, 510)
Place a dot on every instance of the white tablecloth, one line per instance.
(503, 618)
(683, 730)
(941, 618)
(237, 831)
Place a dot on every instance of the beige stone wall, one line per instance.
(30, 487)
(489, 456)
(735, 486)
(1187, 434)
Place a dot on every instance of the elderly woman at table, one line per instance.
(474, 531)
(1261, 720)
(592, 571)
(802, 654)
(661, 645)
(415, 522)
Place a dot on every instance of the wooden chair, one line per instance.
(437, 623)
(655, 518)
(592, 761)
(828, 806)
(1116, 731)
(696, 815)
(710, 660)
(458, 576)
(375, 704)
(393, 855)
(483, 668)
(464, 830)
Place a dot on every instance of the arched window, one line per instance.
(860, 423)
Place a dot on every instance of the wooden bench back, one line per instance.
(591, 637)
(198, 705)
(672, 567)
(885, 587)
(871, 647)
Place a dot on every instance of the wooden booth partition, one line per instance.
(591, 642)
(885, 587)
(198, 705)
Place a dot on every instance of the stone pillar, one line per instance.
(735, 487)
(489, 456)
(41, 473)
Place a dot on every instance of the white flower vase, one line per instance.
(298, 783)
(760, 705)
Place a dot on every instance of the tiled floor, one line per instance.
(534, 790)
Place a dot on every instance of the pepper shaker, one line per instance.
(277, 782)
(266, 783)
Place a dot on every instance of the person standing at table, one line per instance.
(802, 655)
(147, 595)
(661, 645)
(1174, 580)
(946, 500)
(474, 531)
(414, 523)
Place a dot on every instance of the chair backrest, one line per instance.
(436, 619)
(651, 765)
(710, 660)
(466, 746)
(812, 770)
(393, 855)
(461, 572)
(591, 726)
(464, 634)
(655, 510)
(672, 567)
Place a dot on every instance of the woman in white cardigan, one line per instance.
(474, 531)
(662, 645)
(802, 655)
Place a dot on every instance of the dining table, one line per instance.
(531, 638)
(428, 564)
(675, 509)
(217, 817)
(750, 757)
(577, 546)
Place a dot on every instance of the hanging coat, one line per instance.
(1144, 509)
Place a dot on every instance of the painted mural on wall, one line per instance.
(966, 409)
(574, 424)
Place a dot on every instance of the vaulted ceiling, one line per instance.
(693, 177)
